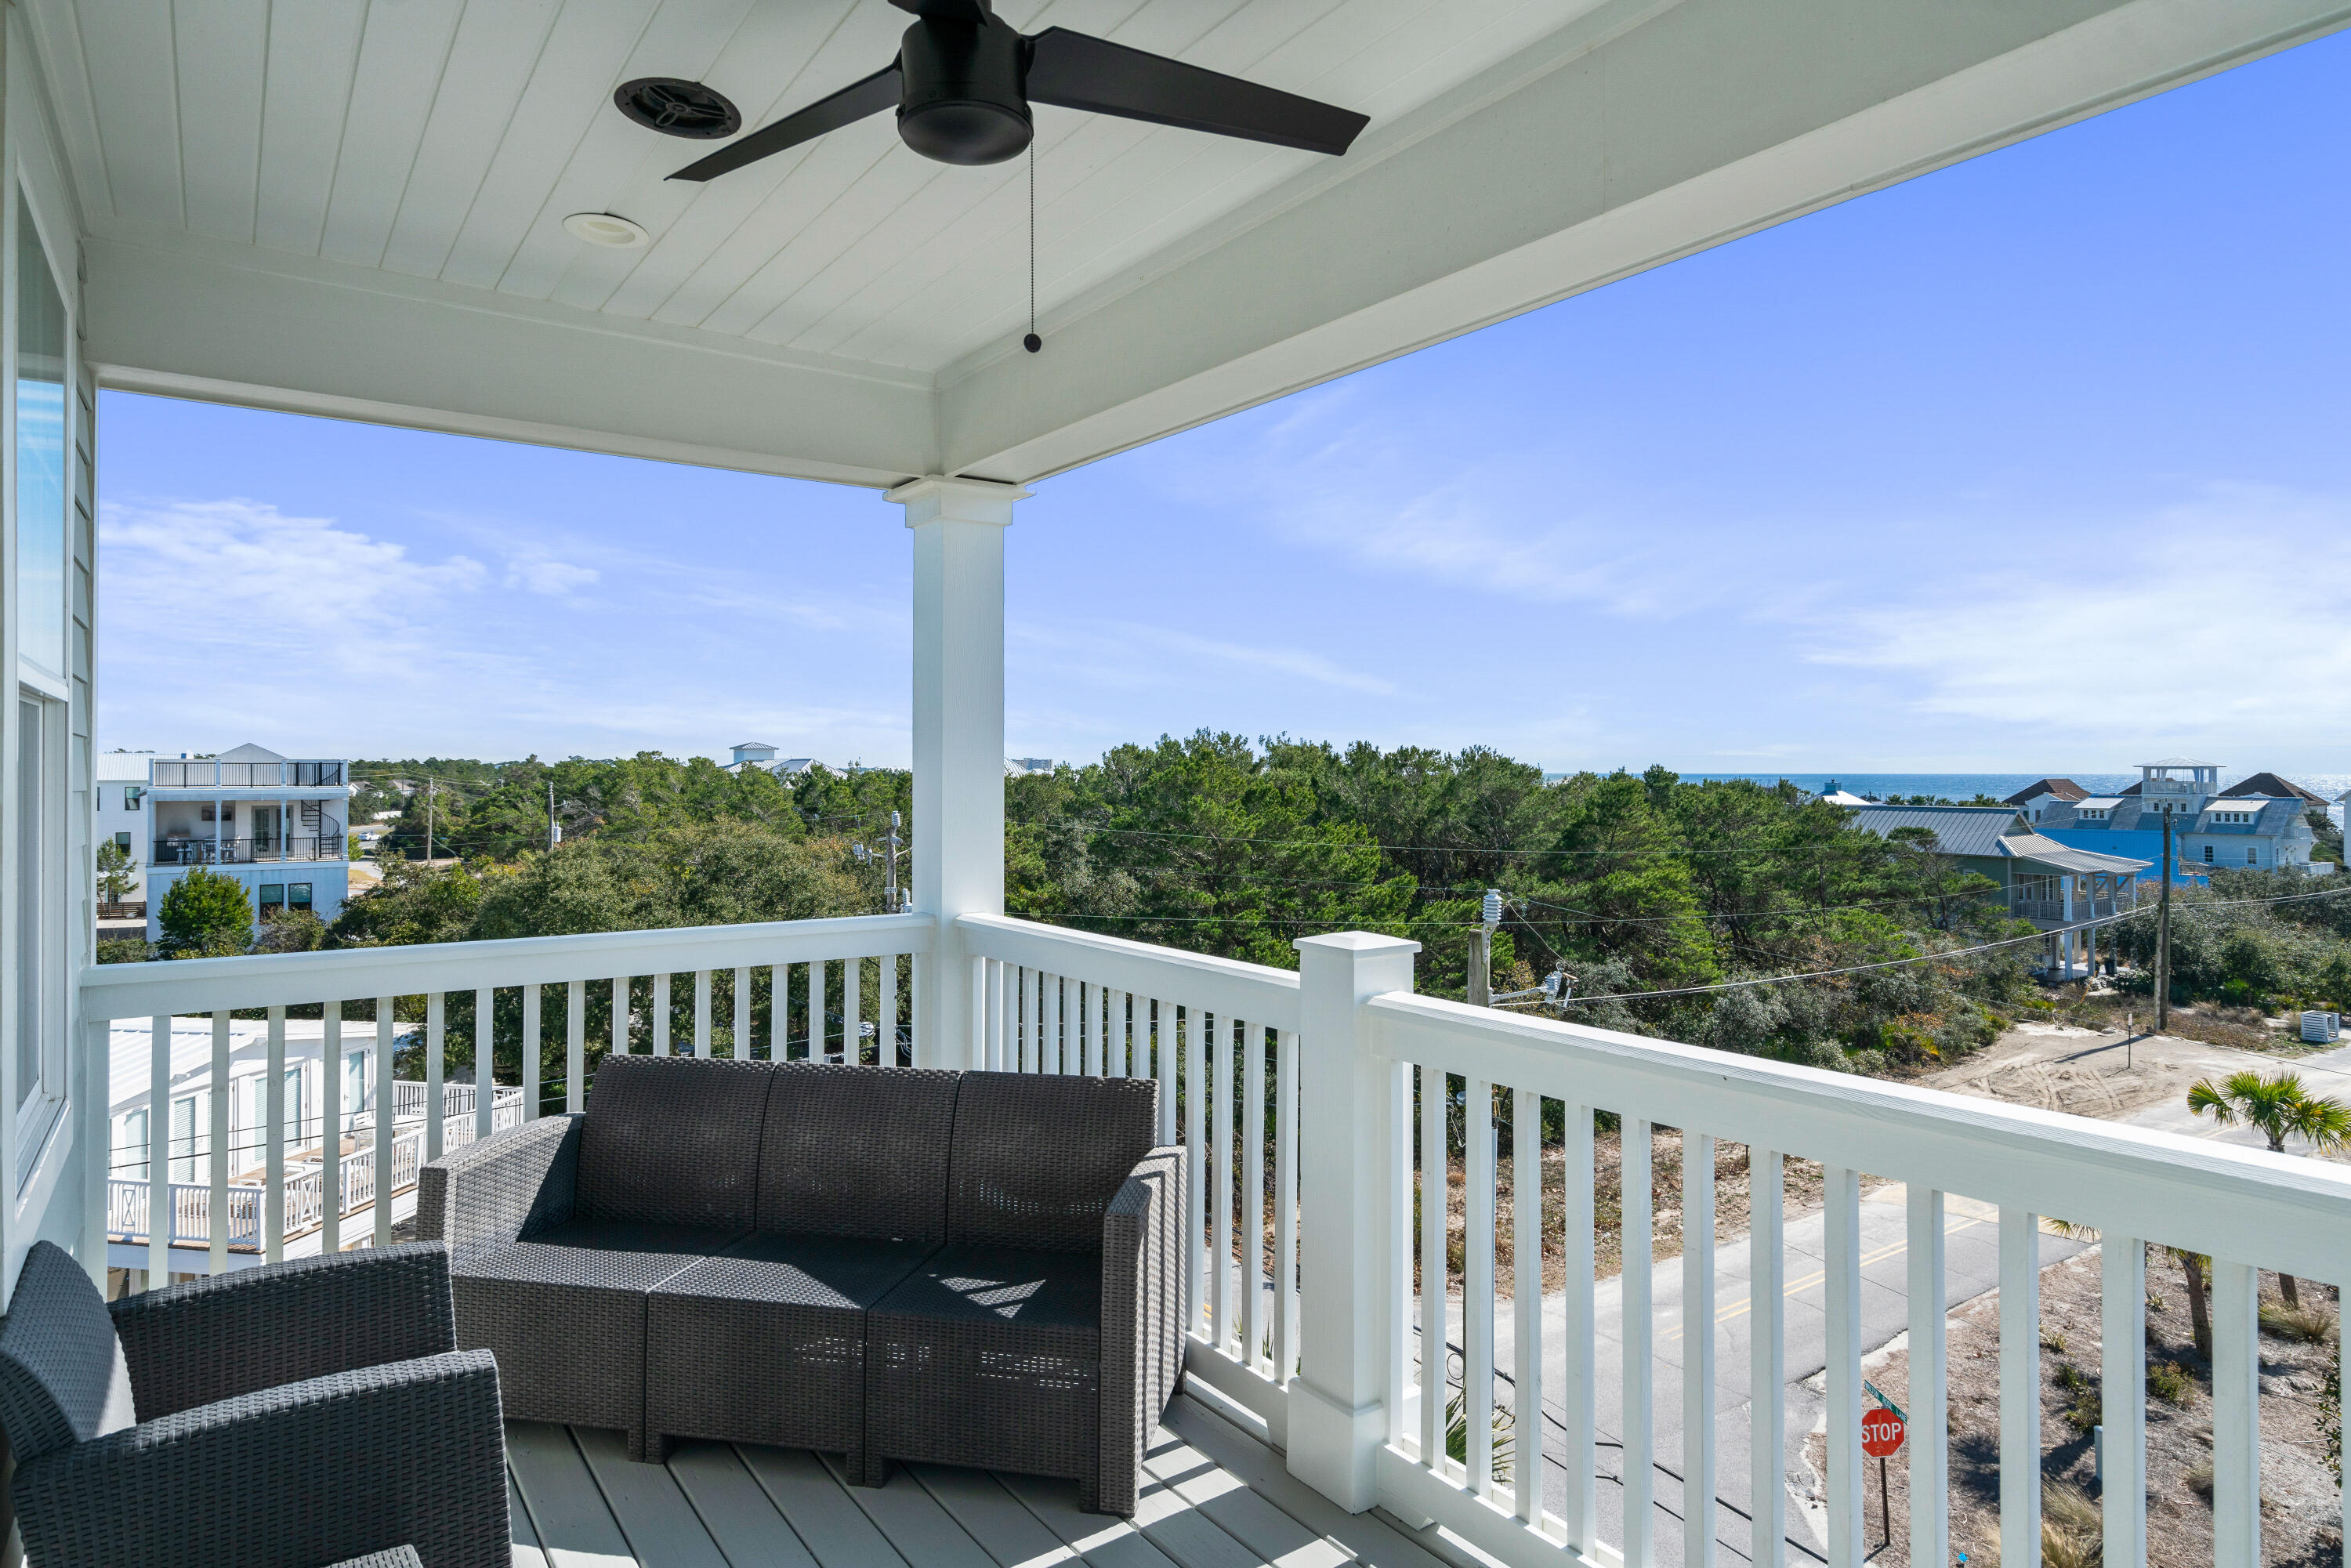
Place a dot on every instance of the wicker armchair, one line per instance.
(283, 1416)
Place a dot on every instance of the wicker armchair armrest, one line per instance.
(490, 1193)
(216, 1338)
(290, 1477)
(1141, 1317)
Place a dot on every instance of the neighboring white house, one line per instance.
(759, 754)
(118, 782)
(277, 825)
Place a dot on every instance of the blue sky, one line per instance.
(2038, 462)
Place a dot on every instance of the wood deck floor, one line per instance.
(1212, 1498)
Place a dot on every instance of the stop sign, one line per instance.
(1881, 1433)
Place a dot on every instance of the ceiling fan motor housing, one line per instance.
(963, 101)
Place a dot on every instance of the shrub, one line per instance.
(123, 950)
(2308, 1324)
(2170, 1382)
(204, 915)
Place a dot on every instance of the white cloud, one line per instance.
(554, 579)
(2214, 624)
(1132, 654)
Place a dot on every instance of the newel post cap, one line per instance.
(937, 498)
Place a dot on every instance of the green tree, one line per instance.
(115, 876)
(206, 916)
(2278, 1108)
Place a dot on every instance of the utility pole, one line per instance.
(428, 821)
(554, 827)
(2163, 938)
(1481, 950)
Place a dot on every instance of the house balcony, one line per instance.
(249, 851)
(214, 775)
(1334, 1319)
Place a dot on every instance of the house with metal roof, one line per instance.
(2042, 792)
(2057, 887)
(2260, 823)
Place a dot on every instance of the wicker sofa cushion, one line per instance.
(1036, 1159)
(857, 1151)
(673, 1140)
(63, 1378)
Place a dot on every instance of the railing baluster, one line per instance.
(1049, 1042)
(1841, 1276)
(2122, 1366)
(1285, 1207)
(575, 1048)
(486, 1062)
(620, 1015)
(702, 1013)
(1089, 1030)
(2020, 1388)
(1477, 1134)
(1526, 1299)
(435, 1042)
(740, 1045)
(1698, 1349)
(1255, 1347)
(852, 1013)
(888, 1020)
(1435, 1194)
(387, 1110)
(1220, 1165)
(1402, 1185)
(1023, 1010)
(533, 1055)
(1931, 1528)
(1640, 1476)
(2236, 1415)
(1164, 1030)
(272, 1154)
(217, 1134)
(330, 1129)
(1196, 1200)
(1578, 1458)
(660, 1014)
(159, 1152)
(1767, 1303)
(1122, 1039)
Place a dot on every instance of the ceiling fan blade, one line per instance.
(972, 11)
(1076, 71)
(851, 103)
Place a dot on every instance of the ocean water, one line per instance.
(1999, 786)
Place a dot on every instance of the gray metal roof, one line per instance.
(2037, 851)
(1958, 830)
(250, 752)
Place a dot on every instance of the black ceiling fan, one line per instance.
(964, 79)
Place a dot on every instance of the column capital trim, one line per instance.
(939, 499)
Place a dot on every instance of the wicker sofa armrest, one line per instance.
(214, 1338)
(290, 1477)
(491, 1193)
(1141, 1317)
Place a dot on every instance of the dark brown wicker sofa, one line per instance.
(887, 1263)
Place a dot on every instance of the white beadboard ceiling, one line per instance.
(448, 139)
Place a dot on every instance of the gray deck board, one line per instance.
(575, 1525)
(1211, 1498)
(925, 1534)
(834, 1529)
(651, 1509)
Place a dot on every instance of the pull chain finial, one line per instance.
(1032, 343)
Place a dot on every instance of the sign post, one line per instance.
(1882, 1431)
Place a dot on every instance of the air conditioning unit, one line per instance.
(2318, 1028)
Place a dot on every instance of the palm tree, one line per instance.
(2278, 1108)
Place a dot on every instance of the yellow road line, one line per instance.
(1724, 1313)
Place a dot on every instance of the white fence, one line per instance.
(836, 989)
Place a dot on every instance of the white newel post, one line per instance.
(1338, 1414)
(958, 526)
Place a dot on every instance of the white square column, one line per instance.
(958, 526)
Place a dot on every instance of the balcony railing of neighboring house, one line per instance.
(250, 852)
(2100, 901)
(190, 1203)
(211, 775)
(1316, 1106)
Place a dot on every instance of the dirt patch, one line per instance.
(2299, 1512)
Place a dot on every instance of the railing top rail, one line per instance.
(2280, 1211)
(1257, 992)
(204, 985)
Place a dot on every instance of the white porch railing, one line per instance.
(837, 989)
(128, 1198)
(1315, 1108)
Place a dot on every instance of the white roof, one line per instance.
(2098, 803)
(1846, 797)
(130, 767)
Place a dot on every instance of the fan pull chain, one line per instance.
(1032, 343)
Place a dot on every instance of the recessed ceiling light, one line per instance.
(605, 229)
